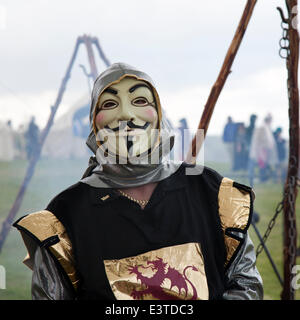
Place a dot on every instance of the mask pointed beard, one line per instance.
(129, 146)
(126, 141)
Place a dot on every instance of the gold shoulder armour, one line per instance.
(44, 229)
(235, 207)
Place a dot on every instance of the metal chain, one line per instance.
(293, 228)
(271, 225)
(284, 43)
(284, 53)
(292, 232)
(293, 168)
(278, 210)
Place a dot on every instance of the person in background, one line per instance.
(240, 148)
(32, 138)
(229, 138)
(249, 134)
(281, 153)
(268, 157)
(262, 151)
(250, 128)
(80, 122)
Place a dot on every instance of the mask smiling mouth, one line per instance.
(129, 124)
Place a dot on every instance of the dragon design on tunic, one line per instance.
(153, 285)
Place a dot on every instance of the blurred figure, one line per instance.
(229, 138)
(262, 152)
(6, 142)
(80, 122)
(250, 128)
(32, 138)
(240, 148)
(249, 133)
(281, 153)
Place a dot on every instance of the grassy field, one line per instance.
(53, 176)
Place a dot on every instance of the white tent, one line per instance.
(61, 142)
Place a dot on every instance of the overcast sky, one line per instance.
(180, 44)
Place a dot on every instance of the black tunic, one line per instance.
(104, 225)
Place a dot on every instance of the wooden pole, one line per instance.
(88, 43)
(290, 190)
(95, 41)
(219, 84)
(34, 159)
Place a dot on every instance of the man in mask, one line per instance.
(137, 226)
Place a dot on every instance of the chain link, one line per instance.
(271, 225)
(291, 195)
(284, 42)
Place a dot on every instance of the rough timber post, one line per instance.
(290, 190)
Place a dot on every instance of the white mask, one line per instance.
(126, 118)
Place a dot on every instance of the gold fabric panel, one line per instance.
(43, 224)
(234, 210)
(171, 273)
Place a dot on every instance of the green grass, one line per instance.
(50, 178)
(53, 176)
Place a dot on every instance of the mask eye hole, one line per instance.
(140, 102)
(109, 104)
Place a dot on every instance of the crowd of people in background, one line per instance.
(18, 144)
(256, 149)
